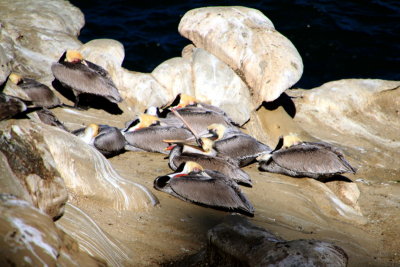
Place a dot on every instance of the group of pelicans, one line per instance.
(206, 149)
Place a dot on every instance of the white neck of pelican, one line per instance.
(91, 131)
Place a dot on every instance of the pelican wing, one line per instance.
(208, 191)
(109, 140)
(311, 158)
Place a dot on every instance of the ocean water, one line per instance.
(336, 39)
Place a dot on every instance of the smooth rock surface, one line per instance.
(247, 41)
(239, 242)
(30, 238)
(34, 34)
(29, 170)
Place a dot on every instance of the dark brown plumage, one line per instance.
(10, 106)
(39, 94)
(48, 117)
(306, 159)
(83, 76)
(151, 138)
(205, 187)
(177, 156)
(107, 139)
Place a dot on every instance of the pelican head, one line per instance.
(15, 78)
(186, 100)
(91, 131)
(290, 140)
(73, 56)
(146, 120)
(217, 129)
(264, 157)
(191, 166)
(206, 144)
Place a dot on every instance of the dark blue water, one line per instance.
(336, 39)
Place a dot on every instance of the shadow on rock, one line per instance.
(283, 100)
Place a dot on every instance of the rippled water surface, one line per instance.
(336, 39)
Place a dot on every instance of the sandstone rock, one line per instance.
(359, 115)
(215, 83)
(247, 41)
(237, 242)
(5, 64)
(91, 237)
(30, 171)
(30, 46)
(30, 238)
(175, 75)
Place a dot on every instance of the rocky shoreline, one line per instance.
(107, 212)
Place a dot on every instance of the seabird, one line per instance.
(10, 106)
(40, 94)
(83, 76)
(177, 156)
(206, 188)
(295, 158)
(107, 139)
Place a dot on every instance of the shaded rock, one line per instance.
(26, 158)
(30, 46)
(237, 242)
(247, 41)
(30, 238)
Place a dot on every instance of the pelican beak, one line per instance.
(264, 157)
(170, 147)
(189, 141)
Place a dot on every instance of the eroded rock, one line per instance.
(247, 41)
(26, 158)
(30, 238)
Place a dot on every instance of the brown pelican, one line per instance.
(205, 187)
(48, 117)
(40, 95)
(108, 140)
(142, 121)
(305, 159)
(151, 138)
(235, 144)
(83, 76)
(177, 156)
(10, 106)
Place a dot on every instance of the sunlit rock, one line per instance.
(39, 35)
(30, 238)
(217, 84)
(30, 172)
(359, 115)
(247, 41)
(5, 64)
(175, 75)
(91, 237)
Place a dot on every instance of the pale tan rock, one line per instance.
(39, 35)
(187, 51)
(359, 115)
(247, 41)
(30, 238)
(175, 75)
(27, 159)
(92, 239)
(5, 64)
(217, 84)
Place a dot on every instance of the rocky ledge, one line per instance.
(62, 202)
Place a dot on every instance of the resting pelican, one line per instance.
(108, 140)
(205, 187)
(177, 156)
(39, 94)
(235, 144)
(305, 159)
(10, 106)
(83, 76)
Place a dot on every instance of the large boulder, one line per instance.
(247, 41)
